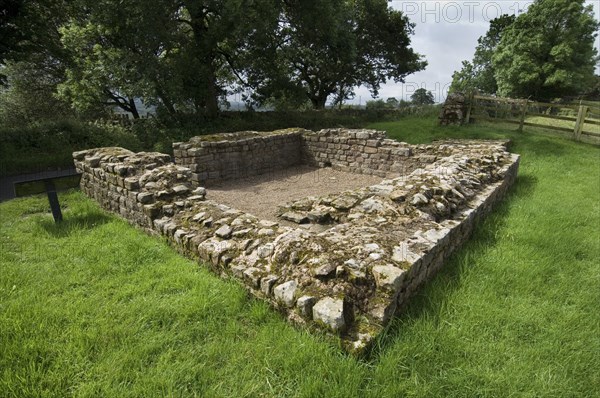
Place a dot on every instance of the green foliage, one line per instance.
(10, 34)
(50, 145)
(377, 104)
(463, 80)
(185, 56)
(480, 74)
(29, 96)
(94, 308)
(548, 52)
(392, 103)
(593, 91)
(422, 97)
(316, 55)
(403, 107)
(180, 56)
(34, 63)
(122, 52)
(326, 48)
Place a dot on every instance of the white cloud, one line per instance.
(446, 33)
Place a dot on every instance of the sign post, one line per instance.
(50, 186)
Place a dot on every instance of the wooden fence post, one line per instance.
(471, 99)
(583, 110)
(497, 103)
(523, 113)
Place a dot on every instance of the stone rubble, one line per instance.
(454, 110)
(221, 157)
(379, 244)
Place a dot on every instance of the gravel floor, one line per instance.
(262, 195)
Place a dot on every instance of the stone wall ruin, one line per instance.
(380, 242)
(454, 111)
(215, 158)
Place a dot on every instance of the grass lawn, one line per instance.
(95, 308)
(589, 127)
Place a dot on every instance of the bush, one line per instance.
(50, 145)
(272, 120)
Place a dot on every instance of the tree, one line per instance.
(180, 55)
(29, 33)
(593, 92)
(389, 103)
(376, 104)
(328, 47)
(28, 96)
(10, 34)
(548, 52)
(32, 60)
(464, 80)
(392, 103)
(422, 97)
(185, 56)
(480, 74)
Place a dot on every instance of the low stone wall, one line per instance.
(138, 186)
(215, 158)
(381, 244)
(358, 151)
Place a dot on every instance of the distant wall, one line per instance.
(358, 151)
(223, 157)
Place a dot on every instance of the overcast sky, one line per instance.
(446, 33)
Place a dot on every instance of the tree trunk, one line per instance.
(205, 52)
(133, 109)
(211, 97)
(166, 101)
(318, 101)
(125, 103)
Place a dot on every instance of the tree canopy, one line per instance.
(179, 55)
(422, 97)
(480, 74)
(544, 53)
(548, 51)
(9, 32)
(186, 56)
(325, 48)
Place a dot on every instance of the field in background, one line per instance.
(94, 308)
(578, 120)
(49, 145)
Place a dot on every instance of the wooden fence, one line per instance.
(581, 120)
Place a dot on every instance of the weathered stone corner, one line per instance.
(375, 246)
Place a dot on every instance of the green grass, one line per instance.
(49, 145)
(570, 124)
(94, 308)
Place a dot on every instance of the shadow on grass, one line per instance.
(428, 300)
(74, 223)
(538, 145)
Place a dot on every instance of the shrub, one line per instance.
(49, 145)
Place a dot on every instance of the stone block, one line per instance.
(285, 293)
(388, 276)
(330, 312)
(305, 305)
(145, 197)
